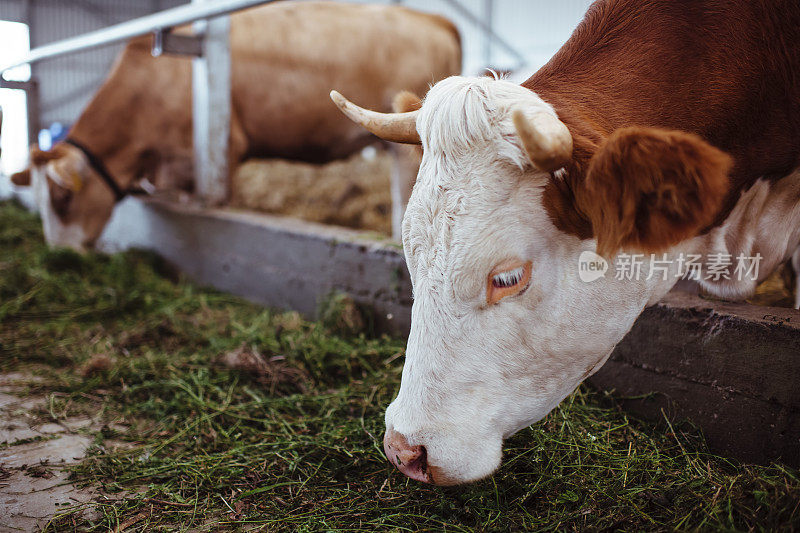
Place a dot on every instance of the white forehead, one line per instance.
(468, 184)
(462, 117)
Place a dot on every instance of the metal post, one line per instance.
(32, 104)
(32, 101)
(211, 102)
(31, 88)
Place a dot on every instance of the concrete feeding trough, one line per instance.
(732, 369)
(276, 261)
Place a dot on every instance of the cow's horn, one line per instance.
(395, 127)
(546, 139)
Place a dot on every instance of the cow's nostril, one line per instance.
(405, 457)
(410, 460)
(421, 461)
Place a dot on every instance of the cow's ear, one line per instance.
(22, 178)
(406, 101)
(648, 189)
(40, 157)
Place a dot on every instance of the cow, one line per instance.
(285, 57)
(668, 129)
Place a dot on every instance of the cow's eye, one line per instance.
(507, 279)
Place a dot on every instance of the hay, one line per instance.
(353, 192)
(777, 290)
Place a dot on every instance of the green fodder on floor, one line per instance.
(221, 415)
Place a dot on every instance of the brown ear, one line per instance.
(406, 101)
(22, 178)
(40, 157)
(648, 189)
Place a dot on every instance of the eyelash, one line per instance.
(508, 279)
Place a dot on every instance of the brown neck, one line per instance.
(138, 114)
(722, 69)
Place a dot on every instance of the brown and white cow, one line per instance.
(285, 58)
(661, 127)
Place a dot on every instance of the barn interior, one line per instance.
(287, 234)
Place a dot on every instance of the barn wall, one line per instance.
(13, 10)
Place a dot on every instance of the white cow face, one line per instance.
(503, 327)
(73, 201)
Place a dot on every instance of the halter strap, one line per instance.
(100, 168)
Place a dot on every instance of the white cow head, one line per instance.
(74, 202)
(503, 328)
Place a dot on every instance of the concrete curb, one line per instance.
(274, 261)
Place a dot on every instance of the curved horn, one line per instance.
(546, 139)
(395, 127)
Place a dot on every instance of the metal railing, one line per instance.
(123, 31)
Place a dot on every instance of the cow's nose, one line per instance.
(410, 460)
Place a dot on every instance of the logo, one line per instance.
(591, 266)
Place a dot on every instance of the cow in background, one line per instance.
(664, 128)
(285, 58)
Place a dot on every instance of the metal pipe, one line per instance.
(141, 26)
(211, 109)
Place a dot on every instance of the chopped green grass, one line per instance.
(192, 444)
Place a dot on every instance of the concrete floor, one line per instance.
(34, 484)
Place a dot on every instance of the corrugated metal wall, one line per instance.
(13, 10)
(67, 83)
(534, 27)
